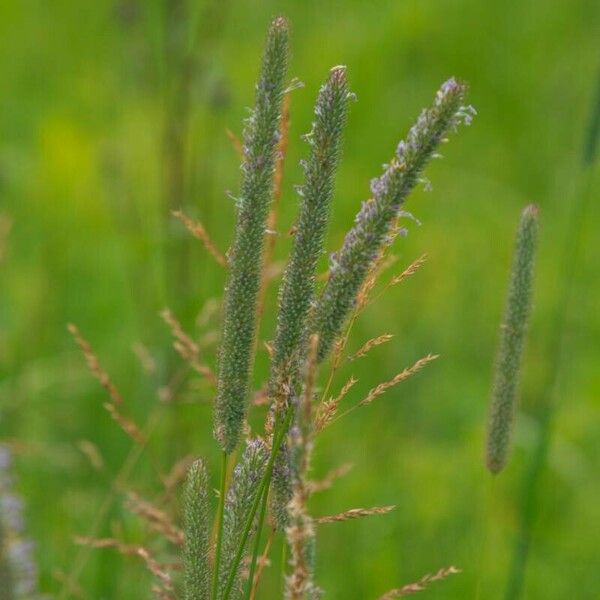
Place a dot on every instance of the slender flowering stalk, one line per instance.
(374, 222)
(239, 322)
(197, 534)
(298, 287)
(512, 340)
(245, 483)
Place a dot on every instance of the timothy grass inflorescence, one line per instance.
(512, 340)
(197, 534)
(298, 285)
(277, 464)
(297, 289)
(239, 320)
(350, 266)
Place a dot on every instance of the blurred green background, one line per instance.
(112, 111)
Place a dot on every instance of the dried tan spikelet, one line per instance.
(157, 520)
(186, 347)
(72, 587)
(309, 380)
(199, 232)
(187, 343)
(327, 481)
(92, 453)
(410, 270)
(364, 292)
(382, 263)
(157, 569)
(161, 593)
(94, 364)
(209, 309)
(127, 425)
(146, 359)
(300, 535)
(372, 343)
(354, 513)
(402, 376)
(419, 586)
(236, 143)
(262, 562)
(176, 475)
(327, 410)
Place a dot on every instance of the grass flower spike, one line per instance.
(197, 534)
(298, 288)
(363, 243)
(512, 340)
(298, 285)
(239, 321)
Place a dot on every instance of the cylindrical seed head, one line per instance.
(512, 340)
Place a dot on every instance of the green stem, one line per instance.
(215, 582)
(261, 518)
(283, 565)
(262, 489)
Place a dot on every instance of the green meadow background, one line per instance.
(88, 90)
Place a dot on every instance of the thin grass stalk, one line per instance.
(262, 563)
(220, 512)
(240, 306)
(529, 501)
(256, 548)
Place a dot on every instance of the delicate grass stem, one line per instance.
(263, 487)
(221, 510)
(261, 519)
(261, 137)
(512, 340)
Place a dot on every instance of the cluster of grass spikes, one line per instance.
(264, 478)
(310, 325)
